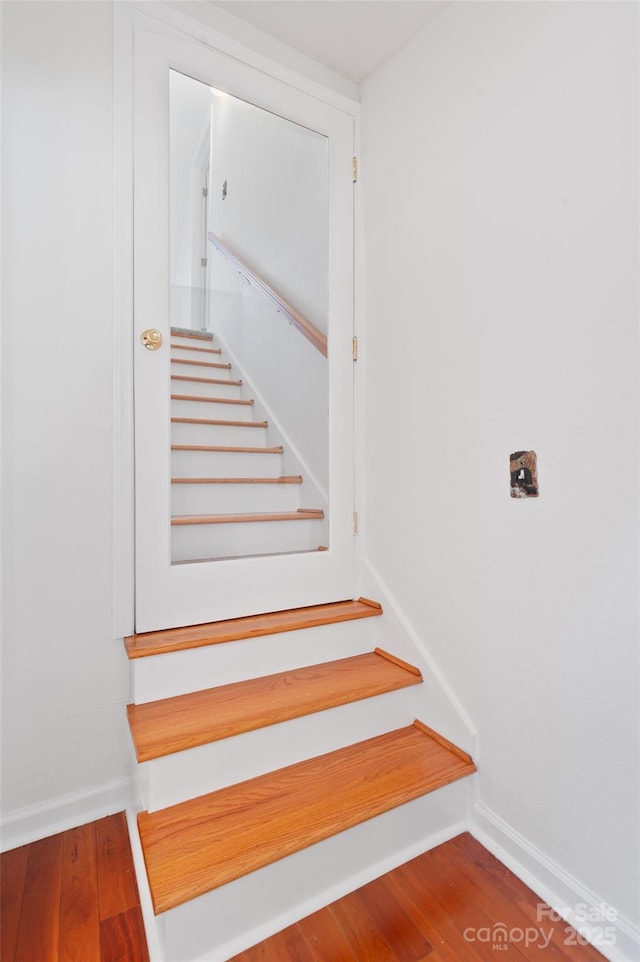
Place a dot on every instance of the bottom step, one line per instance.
(194, 847)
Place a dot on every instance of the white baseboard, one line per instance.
(616, 937)
(59, 814)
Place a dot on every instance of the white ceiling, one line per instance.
(352, 37)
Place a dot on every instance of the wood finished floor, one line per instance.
(452, 904)
(73, 898)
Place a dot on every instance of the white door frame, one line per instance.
(164, 20)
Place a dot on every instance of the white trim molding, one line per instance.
(59, 814)
(615, 936)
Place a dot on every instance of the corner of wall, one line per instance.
(60, 814)
(594, 920)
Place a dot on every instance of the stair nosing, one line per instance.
(257, 517)
(212, 400)
(235, 449)
(150, 643)
(220, 423)
(284, 479)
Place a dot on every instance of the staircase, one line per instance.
(280, 764)
(230, 496)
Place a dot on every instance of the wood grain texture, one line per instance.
(200, 844)
(50, 909)
(79, 939)
(13, 873)
(491, 873)
(175, 724)
(266, 516)
(449, 863)
(448, 900)
(290, 944)
(117, 886)
(122, 938)
(285, 479)
(382, 909)
(253, 626)
(326, 939)
(212, 400)
(401, 912)
(368, 940)
(429, 918)
(39, 929)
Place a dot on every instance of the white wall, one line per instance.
(189, 126)
(64, 678)
(500, 176)
(275, 215)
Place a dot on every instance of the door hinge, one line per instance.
(355, 169)
(355, 522)
(203, 261)
(355, 349)
(205, 191)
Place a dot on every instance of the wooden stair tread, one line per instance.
(198, 845)
(217, 422)
(238, 449)
(217, 364)
(251, 626)
(205, 380)
(184, 721)
(285, 479)
(201, 350)
(210, 400)
(256, 517)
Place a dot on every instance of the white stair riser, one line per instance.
(184, 341)
(212, 352)
(211, 409)
(225, 464)
(292, 888)
(233, 498)
(188, 774)
(201, 369)
(179, 672)
(218, 434)
(202, 389)
(202, 541)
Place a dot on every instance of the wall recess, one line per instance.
(523, 467)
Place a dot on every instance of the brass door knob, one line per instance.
(151, 338)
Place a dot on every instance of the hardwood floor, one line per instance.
(456, 903)
(73, 898)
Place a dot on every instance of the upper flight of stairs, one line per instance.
(259, 741)
(229, 494)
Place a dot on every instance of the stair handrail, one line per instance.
(313, 334)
